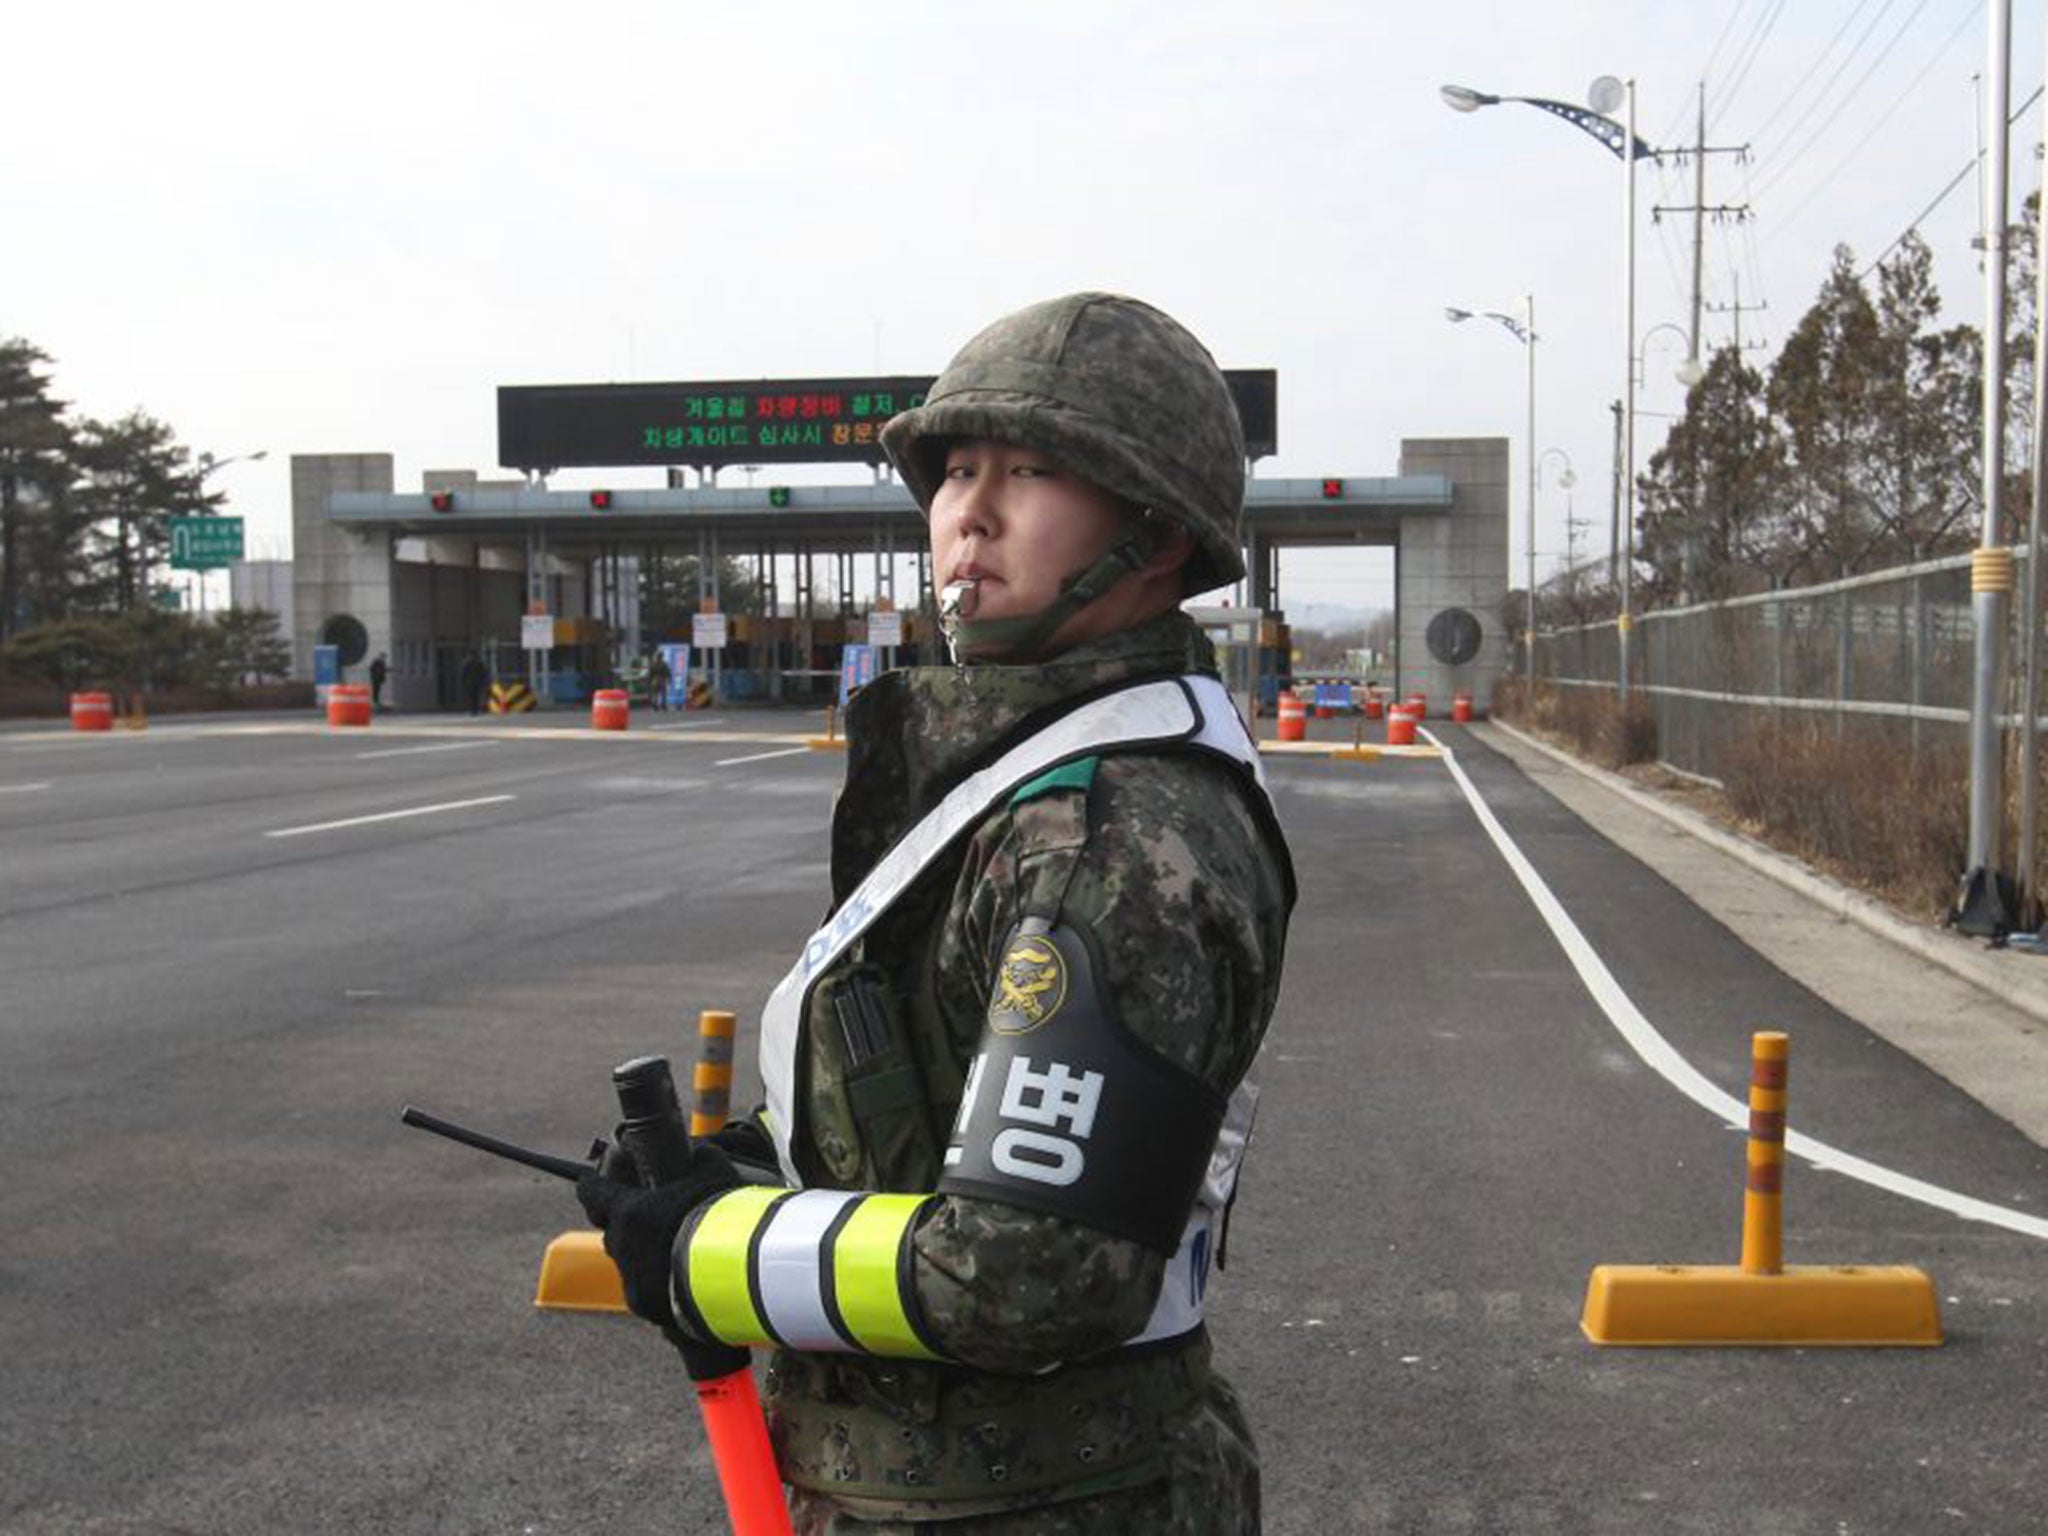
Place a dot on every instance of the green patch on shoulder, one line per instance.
(1078, 774)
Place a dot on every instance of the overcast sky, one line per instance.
(339, 228)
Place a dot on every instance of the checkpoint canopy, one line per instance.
(453, 568)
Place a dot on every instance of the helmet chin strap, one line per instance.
(971, 639)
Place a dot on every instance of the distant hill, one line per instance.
(1330, 617)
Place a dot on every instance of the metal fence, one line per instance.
(1887, 655)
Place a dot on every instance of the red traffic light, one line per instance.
(1333, 490)
(600, 501)
(442, 501)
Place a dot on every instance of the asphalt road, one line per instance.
(235, 1296)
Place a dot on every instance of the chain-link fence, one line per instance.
(1889, 656)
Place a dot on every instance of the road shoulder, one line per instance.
(1977, 1017)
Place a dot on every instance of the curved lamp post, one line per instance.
(1523, 329)
(1619, 138)
(208, 466)
(1688, 373)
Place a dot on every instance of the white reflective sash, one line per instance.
(1186, 711)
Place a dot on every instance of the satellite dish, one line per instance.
(1605, 94)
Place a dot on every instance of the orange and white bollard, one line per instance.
(1461, 708)
(1401, 726)
(711, 1078)
(609, 710)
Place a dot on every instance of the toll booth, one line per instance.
(458, 567)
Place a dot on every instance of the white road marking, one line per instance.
(1658, 1052)
(758, 757)
(418, 810)
(444, 746)
(22, 789)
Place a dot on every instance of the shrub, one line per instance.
(1890, 821)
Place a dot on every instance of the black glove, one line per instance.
(640, 1227)
(744, 1141)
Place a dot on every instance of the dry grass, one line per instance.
(1887, 821)
(1872, 814)
(1588, 720)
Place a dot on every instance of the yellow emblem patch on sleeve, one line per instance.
(1031, 985)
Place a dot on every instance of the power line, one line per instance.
(1818, 99)
(1760, 36)
(1886, 115)
(1811, 70)
(1707, 69)
(1942, 196)
(1779, 173)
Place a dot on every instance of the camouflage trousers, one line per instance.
(1211, 1489)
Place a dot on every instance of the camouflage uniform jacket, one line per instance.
(1173, 862)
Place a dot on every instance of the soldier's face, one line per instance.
(1017, 525)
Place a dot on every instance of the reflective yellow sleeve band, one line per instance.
(815, 1269)
(870, 1279)
(715, 1279)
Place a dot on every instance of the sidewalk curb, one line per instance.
(1958, 956)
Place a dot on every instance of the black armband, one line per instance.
(1068, 1114)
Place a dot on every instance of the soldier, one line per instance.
(1008, 1081)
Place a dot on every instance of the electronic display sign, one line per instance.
(757, 421)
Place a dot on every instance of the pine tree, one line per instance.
(1925, 405)
(1708, 488)
(1820, 395)
(134, 477)
(33, 440)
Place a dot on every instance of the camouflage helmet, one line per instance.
(1112, 389)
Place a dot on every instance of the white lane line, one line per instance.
(444, 746)
(758, 757)
(418, 810)
(1654, 1049)
(22, 789)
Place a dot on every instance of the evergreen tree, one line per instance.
(1820, 394)
(134, 476)
(1707, 490)
(1925, 406)
(33, 439)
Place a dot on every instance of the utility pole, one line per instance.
(1738, 309)
(1699, 208)
(1614, 515)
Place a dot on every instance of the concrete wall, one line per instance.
(263, 584)
(333, 570)
(1455, 560)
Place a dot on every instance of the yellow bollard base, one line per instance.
(577, 1275)
(1680, 1304)
(826, 743)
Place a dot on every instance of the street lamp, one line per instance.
(1523, 329)
(1688, 372)
(208, 466)
(1605, 94)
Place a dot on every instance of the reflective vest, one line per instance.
(1172, 714)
